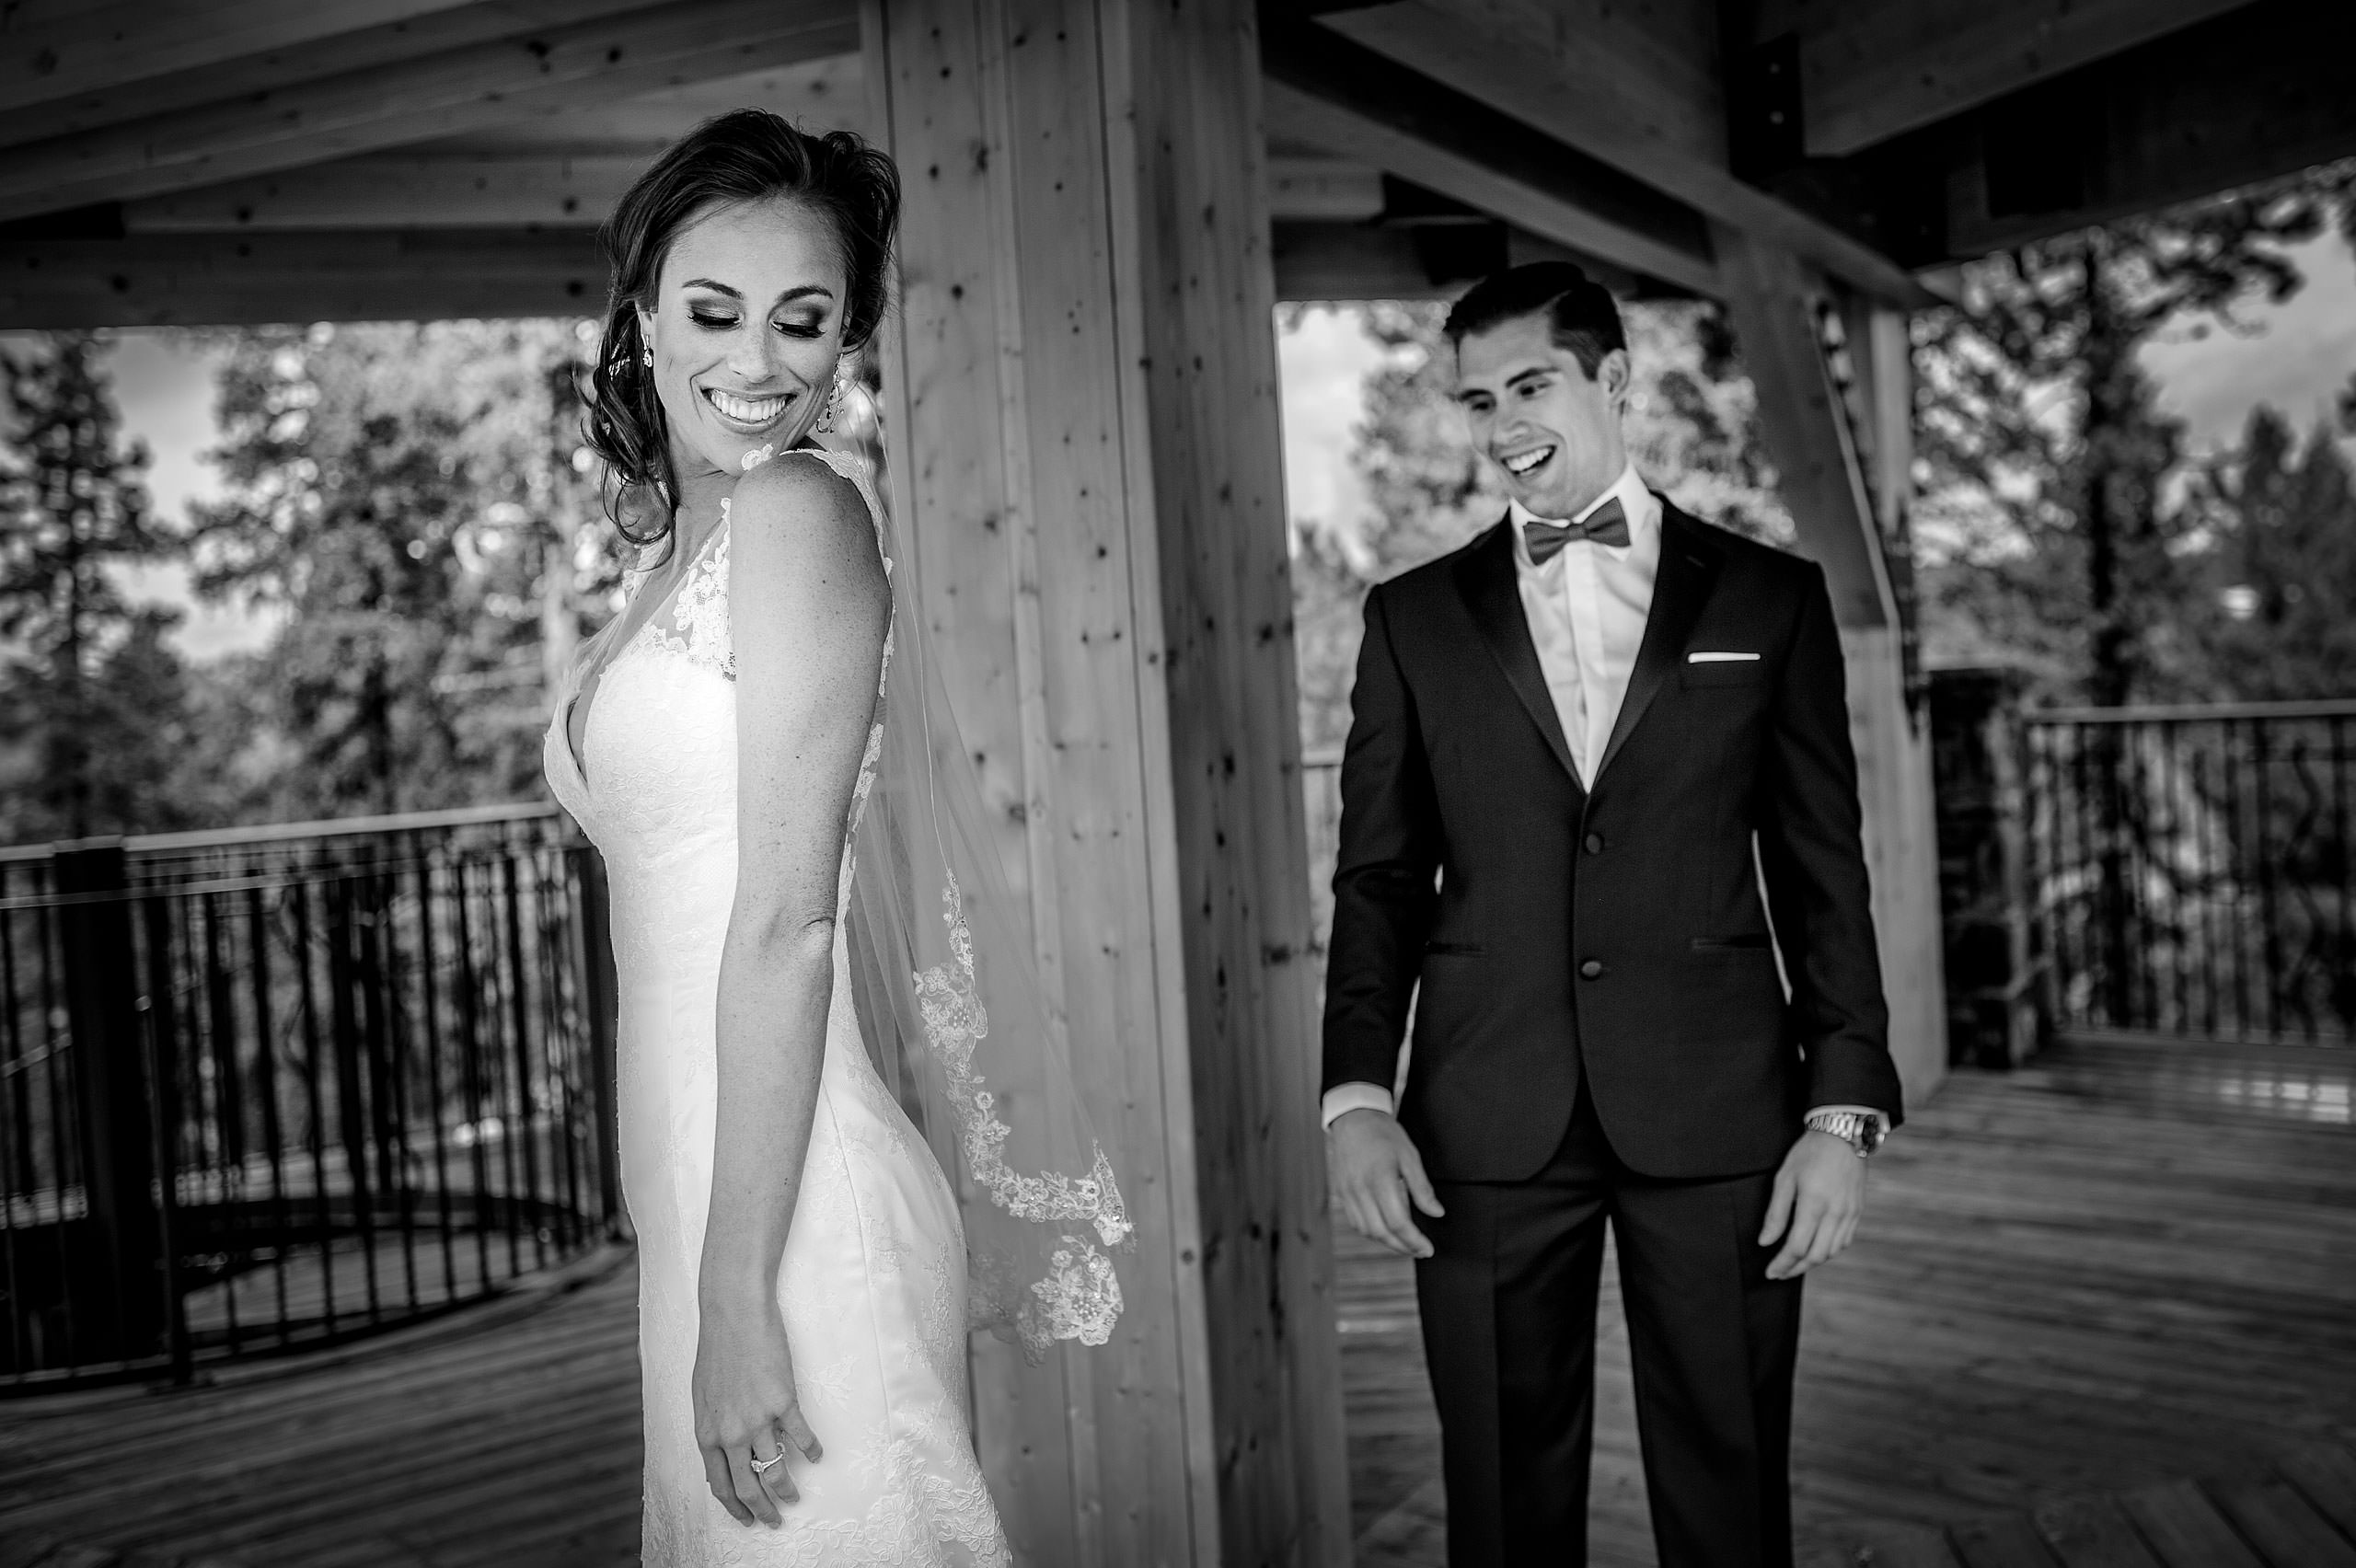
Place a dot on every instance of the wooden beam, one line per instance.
(1085, 381)
(343, 49)
(1773, 297)
(457, 188)
(1843, 448)
(210, 280)
(394, 190)
(107, 46)
(1324, 93)
(1573, 73)
(1325, 260)
(1327, 190)
(827, 93)
(416, 100)
(1870, 70)
(2260, 92)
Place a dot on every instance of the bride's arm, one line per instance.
(809, 607)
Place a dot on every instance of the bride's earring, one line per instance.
(646, 356)
(834, 406)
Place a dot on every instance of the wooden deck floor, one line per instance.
(2121, 1281)
(2104, 1313)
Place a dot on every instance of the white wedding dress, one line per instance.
(872, 1288)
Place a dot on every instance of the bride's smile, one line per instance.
(746, 326)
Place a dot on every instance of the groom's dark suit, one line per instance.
(1600, 1028)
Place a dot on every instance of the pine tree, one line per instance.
(91, 697)
(2277, 621)
(406, 497)
(2053, 520)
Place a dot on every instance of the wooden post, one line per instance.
(118, 1153)
(1844, 453)
(1085, 466)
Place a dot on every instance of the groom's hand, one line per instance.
(1375, 1173)
(1819, 1196)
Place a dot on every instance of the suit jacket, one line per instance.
(1611, 942)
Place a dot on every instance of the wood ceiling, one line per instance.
(236, 160)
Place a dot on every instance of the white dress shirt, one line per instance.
(1586, 609)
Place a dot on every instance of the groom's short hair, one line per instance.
(1581, 316)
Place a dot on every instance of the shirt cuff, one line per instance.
(1345, 1097)
(1881, 1116)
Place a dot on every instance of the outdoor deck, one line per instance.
(2104, 1313)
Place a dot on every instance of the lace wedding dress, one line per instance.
(872, 1288)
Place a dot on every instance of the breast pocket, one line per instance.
(1723, 673)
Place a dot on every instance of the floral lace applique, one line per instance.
(699, 629)
(1080, 1298)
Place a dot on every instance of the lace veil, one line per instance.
(954, 1012)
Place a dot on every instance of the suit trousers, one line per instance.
(1509, 1304)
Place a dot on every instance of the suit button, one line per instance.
(1595, 844)
(1592, 969)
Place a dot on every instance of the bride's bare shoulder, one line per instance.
(797, 507)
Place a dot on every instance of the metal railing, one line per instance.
(274, 1088)
(2194, 869)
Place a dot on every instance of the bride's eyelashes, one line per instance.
(718, 323)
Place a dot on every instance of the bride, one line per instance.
(803, 1303)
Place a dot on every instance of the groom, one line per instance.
(1599, 822)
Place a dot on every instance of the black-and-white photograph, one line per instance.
(1177, 784)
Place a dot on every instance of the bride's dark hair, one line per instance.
(747, 154)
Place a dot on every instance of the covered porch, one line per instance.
(1107, 202)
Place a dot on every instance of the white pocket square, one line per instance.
(1719, 658)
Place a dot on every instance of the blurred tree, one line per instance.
(410, 497)
(2054, 522)
(90, 698)
(2277, 620)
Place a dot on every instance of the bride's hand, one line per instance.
(747, 1413)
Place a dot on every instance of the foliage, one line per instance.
(88, 691)
(2056, 517)
(410, 498)
(2276, 613)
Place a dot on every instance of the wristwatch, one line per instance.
(1859, 1131)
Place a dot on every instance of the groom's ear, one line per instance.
(1616, 376)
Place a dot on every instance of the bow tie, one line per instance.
(1607, 524)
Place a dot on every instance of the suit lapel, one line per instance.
(1485, 575)
(1689, 565)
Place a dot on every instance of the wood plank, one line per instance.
(108, 46)
(827, 92)
(1096, 508)
(1189, 188)
(395, 190)
(2283, 1525)
(1869, 72)
(2088, 1532)
(2007, 1542)
(1772, 300)
(438, 186)
(2247, 95)
(416, 100)
(334, 55)
(2326, 1473)
(192, 280)
(1886, 1544)
(1327, 93)
(1326, 189)
(1563, 78)
(2185, 1528)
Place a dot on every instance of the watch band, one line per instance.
(1861, 1133)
